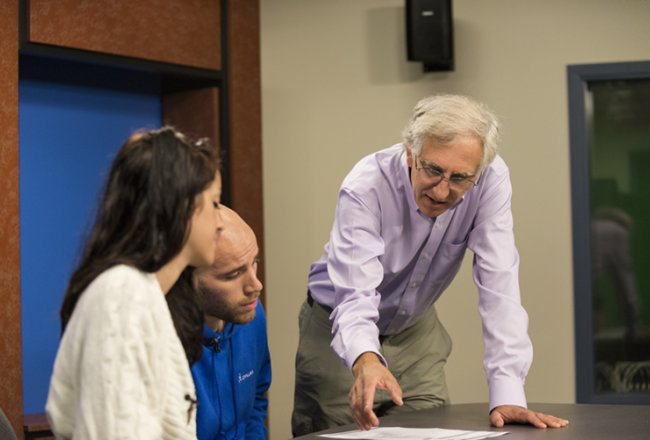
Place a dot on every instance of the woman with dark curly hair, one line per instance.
(121, 370)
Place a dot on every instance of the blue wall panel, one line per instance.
(73, 118)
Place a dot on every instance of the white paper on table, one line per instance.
(415, 434)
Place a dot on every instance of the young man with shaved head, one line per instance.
(234, 371)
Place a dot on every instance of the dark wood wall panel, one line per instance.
(185, 32)
(194, 112)
(10, 339)
(245, 115)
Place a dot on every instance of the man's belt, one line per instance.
(311, 302)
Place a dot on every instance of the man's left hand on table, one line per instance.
(505, 414)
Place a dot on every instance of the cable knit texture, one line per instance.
(121, 372)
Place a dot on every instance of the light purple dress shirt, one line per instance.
(386, 263)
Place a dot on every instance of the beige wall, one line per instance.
(336, 86)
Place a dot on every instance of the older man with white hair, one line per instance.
(404, 219)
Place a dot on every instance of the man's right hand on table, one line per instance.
(370, 374)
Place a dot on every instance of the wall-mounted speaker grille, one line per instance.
(429, 33)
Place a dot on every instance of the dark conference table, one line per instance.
(586, 421)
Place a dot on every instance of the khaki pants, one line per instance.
(416, 357)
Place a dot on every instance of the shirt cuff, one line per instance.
(363, 347)
(506, 391)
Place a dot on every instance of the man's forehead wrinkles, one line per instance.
(225, 264)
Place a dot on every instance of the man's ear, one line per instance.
(409, 157)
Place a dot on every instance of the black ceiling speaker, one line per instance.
(430, 34)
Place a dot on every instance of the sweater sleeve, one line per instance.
(108, 366)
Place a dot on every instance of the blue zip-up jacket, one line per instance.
(231, 378)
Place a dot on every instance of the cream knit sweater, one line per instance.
(121, 372)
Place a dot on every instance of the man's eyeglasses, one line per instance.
(435, 175)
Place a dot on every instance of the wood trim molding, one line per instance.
(11, 380)
(182, 32)
(245, 115)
